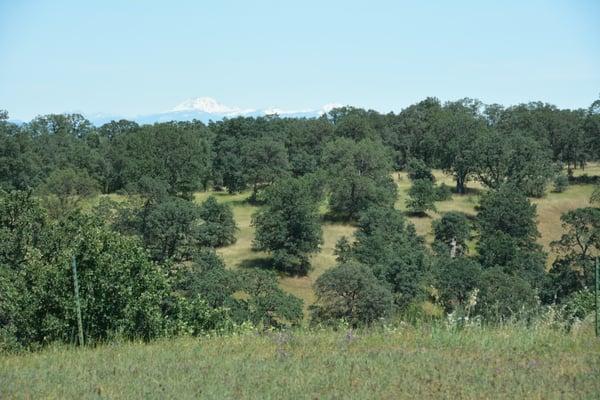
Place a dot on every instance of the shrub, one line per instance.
(456, 278)
(121, 291)
(579, 305)
(504, 296)
(266, 303)
(561, 182)
(443, 192)
(417, 169)
(350, 292)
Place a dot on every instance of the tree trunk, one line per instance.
(460, 185)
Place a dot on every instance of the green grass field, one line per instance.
(426, 362)
(240, 254)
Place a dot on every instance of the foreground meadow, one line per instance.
(426, 362)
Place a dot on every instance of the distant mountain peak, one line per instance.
(207, 109)
(210, 106)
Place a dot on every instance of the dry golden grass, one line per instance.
(553, 205)
(302, 286)
(240, 254)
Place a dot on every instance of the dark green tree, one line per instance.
(121, 290)
(595, 197)
(177, 153)
(22, 226)
(390, 246)
(169, 228)
(65, 189)
(560, 183)
(451, 233)
(358, 176)
(421, 197)
(251, 295)
(351, 292)
(417, 169)
(577, 249)
(581, 239)
(267, 304)
(19, 162)
(218, 226)
(206, 277)
(114, 129)
(508, 234)
(416, 132)
(352, 123)
(343, 250)
(305, 140)
(456, 279)
(65, 141)
(509, 211)
(229, 139)
(503, 296)
(591, 126)
(166, 225)
(517, 159)
(460, 125)
(288, 225)
(264, 160)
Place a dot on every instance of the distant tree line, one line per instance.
(522, 144)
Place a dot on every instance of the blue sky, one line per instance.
(139, 57)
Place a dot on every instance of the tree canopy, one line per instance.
(289, 225)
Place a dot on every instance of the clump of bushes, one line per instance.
(443, 192)
(123, 293)
(561, 182)
(418, 169)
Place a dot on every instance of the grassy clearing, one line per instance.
(426, 362)
(240, 254)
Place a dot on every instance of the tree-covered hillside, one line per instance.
(458, 209)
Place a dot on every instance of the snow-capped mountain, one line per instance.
(210, 106)
(207, 109)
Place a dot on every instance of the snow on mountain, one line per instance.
(207, 109)
(210, 106)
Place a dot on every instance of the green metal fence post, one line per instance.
(597, 298)
(77, 303)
